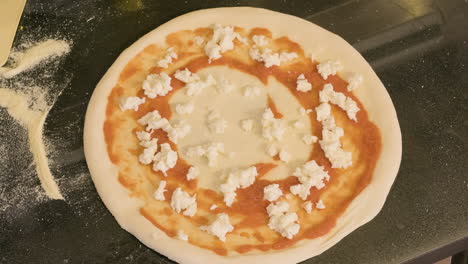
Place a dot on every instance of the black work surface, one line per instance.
(418, 48)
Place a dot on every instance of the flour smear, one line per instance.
(30, 109)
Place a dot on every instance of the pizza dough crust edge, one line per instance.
(372, 94)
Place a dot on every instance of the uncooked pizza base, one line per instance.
(314, 40)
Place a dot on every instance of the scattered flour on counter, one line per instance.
(32, 118)
(29, 106)
(23, 61)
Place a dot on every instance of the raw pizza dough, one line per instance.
(314, 40)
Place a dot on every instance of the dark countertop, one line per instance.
(418, 48)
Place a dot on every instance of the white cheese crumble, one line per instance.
(182, 235)
(320, 205)
(159, 193)
(186, 76)
(149, 151)
(193, 173)
(221, 41)
(285, 156)
(164, 62)
(309, 175)
(281, 221)
(235, 180)
(198, 40)
(213, 206)
(260, 40)
(195, 87)
(182, 201)
(131, 102)
(308, 206)
(247, 124)
(157, 85)
(219, 227)
(143, 136)
(302, 84)
(216, 123)
(250, 91)
(183, 109)
(304, 111)
(272, 192)
(179, 130)
(272, 150)
(273, 129)
(287, 56)
(330, 142)
(309, 139)
(330, 67)
(225, 86)
(327, 94)
(211, 151)
(165, 159)
(354, 80)
(269, 58)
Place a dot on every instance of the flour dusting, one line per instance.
(23, 61)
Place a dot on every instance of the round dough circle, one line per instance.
(372, 94)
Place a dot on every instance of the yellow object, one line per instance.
(10, 14)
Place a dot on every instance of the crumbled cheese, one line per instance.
(308, 206)
(309, 139)
(216, 124)
(193, 173)
(213, 206)
(237, 179)
(260, 40)
(149, 151)
(170, 54)
(266, 56)
(354, 81)
(285, 156)
(277, 208)
(182, 235)
(182, 201)
(131, 102)
(327, 94)
(143, 136)
(302, 84)
(165, 159)
(183, 109)
(272, 150)
(186, 76)
(323, 111)
(281, 221)
(159, 193)
(329, 67)
(221, 41)
(304, 112)
(320, 205)
(157, 85)
(252, 91)
(287, 56)
(273, 129)
(225, 86)
(210, 151)
(247, 125)
(272, 192)
(330, 142)
(179, 130)
(298, 124)
(309, 175)
(199, 40)
(219, 227)
(195, 87)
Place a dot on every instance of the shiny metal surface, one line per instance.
(417, 47)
